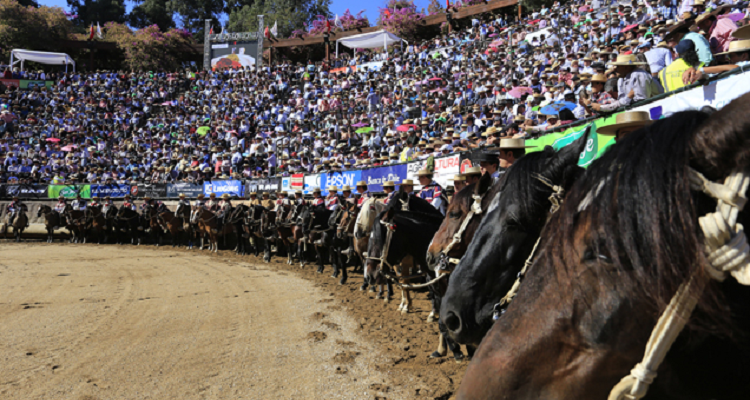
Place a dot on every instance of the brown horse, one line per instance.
(345, 235)
(173, 224)
(76, 224)
(18, 225)
(151, 216)
(284, 223)
(609, 263)
(208, 227)
(97, 222)
(52, 220)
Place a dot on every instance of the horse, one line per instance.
(297, 235)
(129, 222)
(338, 243)
(627, 239)
(96, 222)
(315, 222)
(76, 224)
(505, 238)
(284, 221)
(154, 224)
(449, 244)
(173, 223)
(52, 220)
(208, 227)
(252, 227)
(184, 211)
(367, 216)
(345, 234)
(18, 225)
(399, 241)
(236, 220)
(110, 220)
(267, 232)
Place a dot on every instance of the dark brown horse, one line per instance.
(19, 224)
(76, 224)
(96, 222)
(609, 262)
(284, 223)
(173, 224)
(52, 220)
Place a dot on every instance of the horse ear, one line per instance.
(572, 152)
(722, 143)
(485, 182)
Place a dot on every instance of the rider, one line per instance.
(317, 199)
(472, 174)
(267, 202)
(13, 208)
(389, 187)
(459, 182)
(95, 202)
(225, 209)
(346, 193)
(61, 204)
(212, 204)
(280, 199)
(198, 204)
(183, 201)
(254, 201)
(108, 202)
(431, 191)
(363, 193)
(332, 200)
(299, 199)
(79, 204)
(128, 203)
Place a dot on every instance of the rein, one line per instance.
(728, 253)
(556, 198)
(476, 209)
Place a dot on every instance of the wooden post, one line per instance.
(519, 11)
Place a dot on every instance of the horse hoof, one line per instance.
(342, 281)
(372, 288)
(430, 318)
(436, 354)
(404, 311)
(458, 358)
(363, 288)
(377, 296)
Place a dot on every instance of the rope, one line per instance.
(476, 209)
(727, 252)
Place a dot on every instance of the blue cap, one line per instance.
(684, 46)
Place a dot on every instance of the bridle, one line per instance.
(444, 262)
(556, 199)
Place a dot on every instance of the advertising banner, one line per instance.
(311, 182)
(191, 190)
(445, 168)
(234, 54)
(259, 186)
(11, 82)
(25, 191)
(157, 190)
(112, 190)
(69, 191)
(375, 177)
(298, 181)
(286, 184)
(231, 187)
(339, 179)
(27, 84)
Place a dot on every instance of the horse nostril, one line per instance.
(453, 322)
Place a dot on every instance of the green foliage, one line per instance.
(33, 28)
(149, 49)
(150, 12)
(26, 3)
(291, 15)
(93, 11)
(193, 13)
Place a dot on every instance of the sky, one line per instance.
(372, 8)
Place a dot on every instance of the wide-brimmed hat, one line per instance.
(626, 120)
(389, 184)
(599, 78)
(737, 46)
(407, 182)
(627, 59)
(458, 177)
(225, 196)
(346, 188)
(513, 144)
(489, 157)
(424, 172)
(363, 183)
(333, 188)
(742, 33)
(472, 171)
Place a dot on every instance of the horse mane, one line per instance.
(521, 181)
(640, 189)
(416, 204)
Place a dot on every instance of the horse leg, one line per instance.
(389, 295)
(470, 351)
(344, 275)
(266, 250)
(334, 255)
(318, 251)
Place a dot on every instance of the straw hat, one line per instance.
(346, 188)
(627, 59)
(333, 188)
(406, 182)
(389, 184)
(742, 33)
(424, 172)
(225, 196)
(363, 183)
(599, 78)
(458, 177)
(627, 120)
(737, 46)
(513, 144)
(472, 171)
(316, 190)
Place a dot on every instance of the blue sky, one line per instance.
(337, 6)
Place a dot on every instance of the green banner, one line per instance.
(69, 191)
(27, 84)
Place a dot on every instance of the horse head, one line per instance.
(366, 217)
(609, 262)
(43, 210)
(504, 239)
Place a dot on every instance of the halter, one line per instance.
(390, 228)
(556, 198)
(728, 253)
(476, 209)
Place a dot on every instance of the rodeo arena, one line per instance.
(538, 204)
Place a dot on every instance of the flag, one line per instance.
(337, 22)
(274, 30)
(387, 13)
(328, 25)
(447, 4)
(211, 31)
(265, 34)
(91, 33)
(99, 31)
(222, 31)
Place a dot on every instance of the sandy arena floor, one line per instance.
(89, 322)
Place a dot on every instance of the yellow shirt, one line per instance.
(671, 76)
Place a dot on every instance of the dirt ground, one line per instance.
(88, 322)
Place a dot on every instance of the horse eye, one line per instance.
(455, 214)
(596, 255)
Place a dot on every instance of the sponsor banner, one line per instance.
(286, 184)
(25, 191)
(231, 187)
(11, 82)
(375, 177)
(445, 168)
(298, 181)
(311, 182)
(69, 191)
(339, 179)
(371, 66)
(259, 186)
(191, 190)
(111, 190)
(157, 190)
(27, 84)
(342, 70)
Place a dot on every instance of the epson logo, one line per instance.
(341, 180)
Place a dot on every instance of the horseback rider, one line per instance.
(432, 191)
(299, 199)
(254, 201)
(472, 175)
(14, 207)
(79, 204)
(95, 202)
(346, 193)
(267, 202)
(128, 203)
(225, 209)
(459, 182)
(364, 194)
(389, 187)
(108, 202)
(280, 199)
(332, 200)
(212, 204)
(510, 151)
(61, 205)
(183, 201)
(198, 205)
(317, 199)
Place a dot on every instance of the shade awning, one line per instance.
(370, 40)
(41, 57)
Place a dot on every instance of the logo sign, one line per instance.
(113, 190)
(375, 177)
(69, 191)
(286, 184)
(340, 179)
(231, 187)
(27, 191)
(262, 185)
(190, 190)
(311, 182)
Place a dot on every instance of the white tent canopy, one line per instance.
(41, 57)
(370, 40)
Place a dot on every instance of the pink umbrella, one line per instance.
(519, 91)
(629, 27)
(359, 125)
(492, 34)
(52, 139)
(497, 42)
(405, 128)
(441, 90)
(69, 147)
(436, 79)
(734, 16)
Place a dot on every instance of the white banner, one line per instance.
(445, 168)
(311, 182)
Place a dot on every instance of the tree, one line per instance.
(33, 28)
(193, 13)
(28, 3)
(149, 49)
(401, 17)
(151, 12)
(291, 15)
(93, 11)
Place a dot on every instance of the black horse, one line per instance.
(505, 239)
(110, 218)
(238, 219)
(130, 223)
(315, 227)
